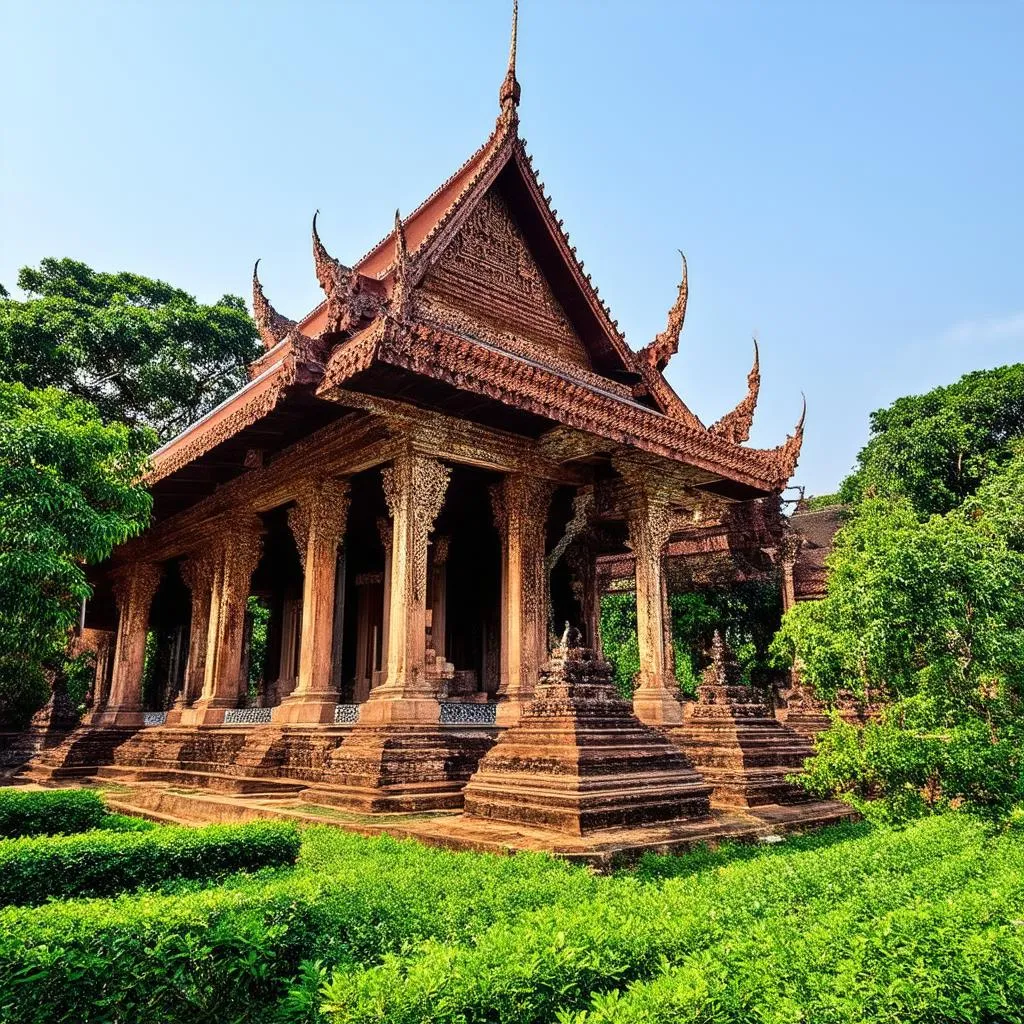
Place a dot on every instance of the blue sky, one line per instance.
(845, 178)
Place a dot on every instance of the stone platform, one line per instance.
(190, 801)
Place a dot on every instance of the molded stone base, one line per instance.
(579, 761)
(404, 767)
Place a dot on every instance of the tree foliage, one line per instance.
(139, 349)
(68, 495)
(925, 603)
(936, 449)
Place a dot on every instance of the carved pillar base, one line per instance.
(176, 710)
(207, 711)
(309, 708)
(128, 717)
(656, 705)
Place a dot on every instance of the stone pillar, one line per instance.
(439, 595)
(318, 522)
(414, 487)
(198, 572)
(237, 561)
(386, 529)
(134, 588)
(520, 505)
(649, 520)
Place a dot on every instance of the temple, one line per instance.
(423, 480)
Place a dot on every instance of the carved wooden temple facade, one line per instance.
(421, 480)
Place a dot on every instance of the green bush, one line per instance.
(228, 953)
(103, 863)
(49, 812)
(554, 959)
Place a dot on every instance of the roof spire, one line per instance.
(508, 96)
(665, 345)
(400, 291)
(735, 425)
(271, 325)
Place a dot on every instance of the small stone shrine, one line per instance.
(579, 760)
(735, 740)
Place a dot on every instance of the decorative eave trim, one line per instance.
(242, 409)
(519, 382)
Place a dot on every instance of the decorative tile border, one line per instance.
(346, 714)
(154, 717)
(454, 713)
(248, 716)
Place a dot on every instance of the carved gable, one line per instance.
(487, 283)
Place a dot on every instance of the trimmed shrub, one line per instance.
(553, 960)
(48, 812)
(230, 953)
(104, 863)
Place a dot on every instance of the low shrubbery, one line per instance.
(49, 812)
(551, 962)
(846, 925)
(103, 863)
(223, 954)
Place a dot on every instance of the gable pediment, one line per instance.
(487, 283)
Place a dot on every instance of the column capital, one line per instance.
(325, 503)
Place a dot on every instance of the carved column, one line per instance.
(520, 504)
(649, 520)
(318, 522)
(439, 595)
(414, 487)
(198, 572)
(222, 684)
(386, 529)
(134, 588)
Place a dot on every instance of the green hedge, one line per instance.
(550, 963)
(48, 812)
(104, 863)
(230, 953)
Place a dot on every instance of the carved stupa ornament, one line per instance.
(735, 426)
(657, 353)
(272, 326)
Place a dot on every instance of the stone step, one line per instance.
(277, 788)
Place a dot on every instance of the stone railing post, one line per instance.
(317, 521)
(134, 588)
(414, 487)
(520, 504)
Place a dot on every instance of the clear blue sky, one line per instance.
(847, 179)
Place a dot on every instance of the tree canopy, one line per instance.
(925, 603)
(70, 493)
(935, 449)
(140, 350)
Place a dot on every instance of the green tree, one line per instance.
(140, 350)
(936, 449)
(69, 493)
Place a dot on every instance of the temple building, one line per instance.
(423, 480)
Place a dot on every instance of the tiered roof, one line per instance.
(479, 292)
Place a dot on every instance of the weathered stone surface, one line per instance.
(578, 760)
(737, 743)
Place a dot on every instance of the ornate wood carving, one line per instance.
(487, 281)
(735, 425)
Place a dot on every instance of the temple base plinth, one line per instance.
(413, 710)
(579, 761)
(118, 717)
(657, 705)
(309, 709)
